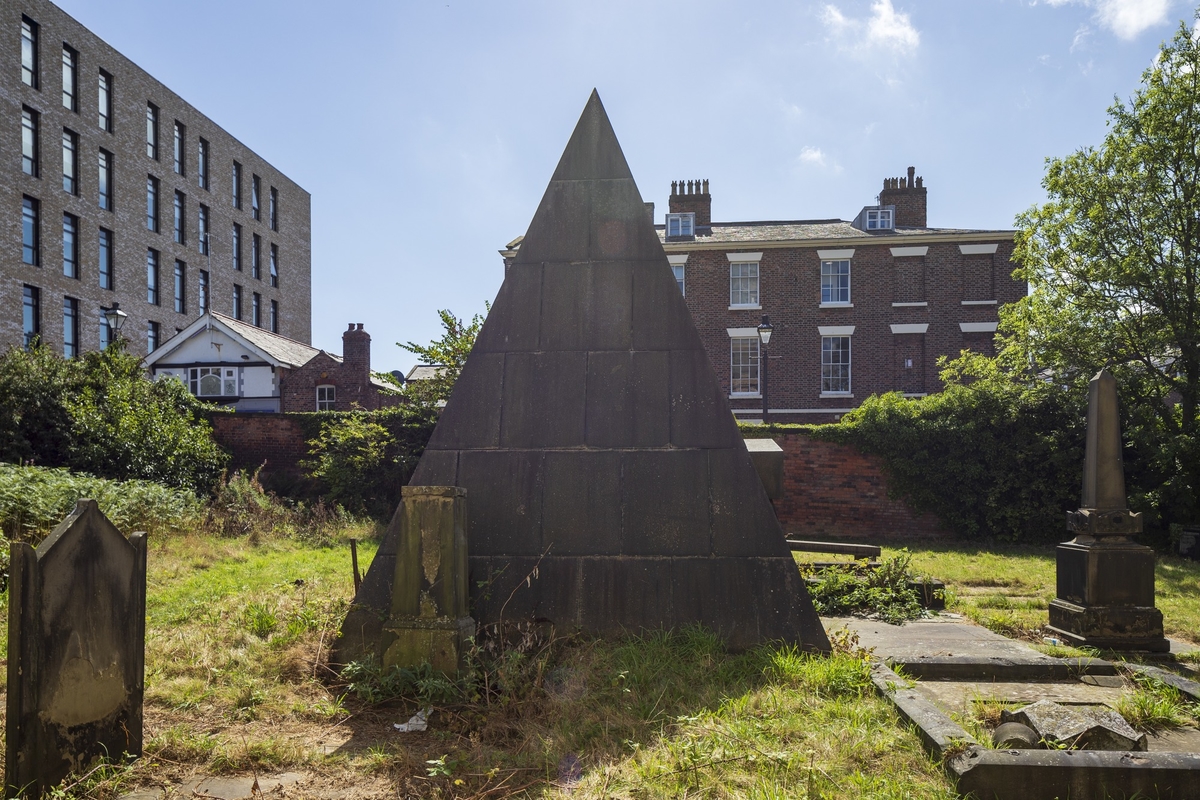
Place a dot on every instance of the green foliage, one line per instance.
(100, 414)
(371, 683)
(882, 592)
(449, 352)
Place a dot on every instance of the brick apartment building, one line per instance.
(857, 308)
(115, 189)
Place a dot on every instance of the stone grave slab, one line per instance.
(958, 697)
(1082, 727)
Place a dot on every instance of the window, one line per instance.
(104, 103)
(678, 270)
(202, 163)
(681, 224)
(70, 327)
(237, 247)
(152, 131)
(180, 287)
(29, 141)
(274, 316)
(743, 365)
(835, 281)
(255, 256)
(326, 398)
(254, 187)
(213, 381)
(180, 218)
(31, 316)
(29, 52)
(107, 335)
(70, 162)
(202, 295)
(274, 265)
(879, 219)
(743, 284)
(151, 337)
(152, 276)
(70, 241)
(152, 203)
(835, 364)
(106, 260)
(104, 180)
(256, 309)
(237, 185)
(274, 209)
(202, 228)
(31, 232)
(70, 63)
(180, 136)
(237, 301)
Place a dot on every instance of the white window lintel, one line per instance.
(832, 255)
(836, 305)
(977, 249)
(742, 333)
(677, 259)
(979, 302)
(743, 258)
(978, 327)
(903, 252)
(836, 330)
(922, 304)
(921, 327)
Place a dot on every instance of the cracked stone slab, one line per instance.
(1080, 727)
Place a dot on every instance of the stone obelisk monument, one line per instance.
(1105, 579)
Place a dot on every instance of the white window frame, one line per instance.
(679, 267)
(880, 219)
(737, 260)
(828, 377)
(751, 347)
(831, 294)
(227, 376)
(685, 224)
(326, 397)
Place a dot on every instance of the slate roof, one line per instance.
(423, 372)
(288, 351)
(783, 230)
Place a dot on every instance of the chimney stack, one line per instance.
(356, 351)
(692, 196)
(908, 196)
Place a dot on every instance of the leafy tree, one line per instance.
(1113, 260)
(449, 352)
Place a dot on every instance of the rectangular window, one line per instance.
(274, 209)
(180, 218)
(743, 284)
(70, 241)
(180, 287)
(29, 52)
(106, 332)
(274, 265)
(70, 170)
(202, 228)
(237, 301)
(254, 188)
(29, 141)
(255, 256)
(835, 364)
(743, 365)
(835, 281)
(678, 269)
(104, 180)
(152, 276)
(212, 381)
(31, 232)
(274, 316)
(202, 163)
(326, 398)
(31, 317)
(202, 295)
(879, 219)
(104, 103)
(237, 185)
(152, 131)
(106, 260)
(681, 224)
(237, 247)
(152, 203)
(256, 309)
(70, 63)
(70, 327)
(151, 337)
(180, 144)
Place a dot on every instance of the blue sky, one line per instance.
(427, 131)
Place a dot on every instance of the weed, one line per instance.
(882, 592)
(260, 619)
(1155, 705)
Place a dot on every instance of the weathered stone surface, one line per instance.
(1014, 734)
(767, 457)
(76, 649)
(1078, 727)
(1053, 775)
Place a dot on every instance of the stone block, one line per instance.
(658, 502)
(627, 400)
(536, 416)
(740, 529)
(475, 416)
(700, 415)
(508, 484)
(1106, 573)
(1109, 627)
(579, 516)
(587, 306)
(556, 233)
(620, 227)
(1078, 727)
(502, 333)
(767, 457)
(659, 311)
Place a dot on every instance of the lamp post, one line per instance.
(764, 336)
(115, 318)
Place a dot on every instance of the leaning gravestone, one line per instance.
(609, 487)
(76, 647)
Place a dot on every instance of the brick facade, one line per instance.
(131, 90)
(350, 377)
(275, 442)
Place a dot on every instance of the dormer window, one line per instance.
(681, 225)
(879, 219)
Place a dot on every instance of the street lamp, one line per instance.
(115, 318)
(764, 336)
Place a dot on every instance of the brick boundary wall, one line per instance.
(253, 439)
(832, 491)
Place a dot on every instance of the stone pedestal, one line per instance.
(429, 618)
(1106, 596)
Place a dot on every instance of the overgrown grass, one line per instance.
(882, 592)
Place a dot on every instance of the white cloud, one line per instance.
(1126, 18)
(812, 155)
(886, 29)
(1081, 37)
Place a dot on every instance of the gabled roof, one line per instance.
(277, 350)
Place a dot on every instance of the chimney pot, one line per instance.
(351, 327)
(692, 197)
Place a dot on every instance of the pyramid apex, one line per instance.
(593, 152)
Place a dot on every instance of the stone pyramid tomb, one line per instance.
(597, 447)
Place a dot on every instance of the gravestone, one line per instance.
(76, 648)
(1105, 579)
(610, 490)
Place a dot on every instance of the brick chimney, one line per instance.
(356, 352)
(908, 196)
(692, 196)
